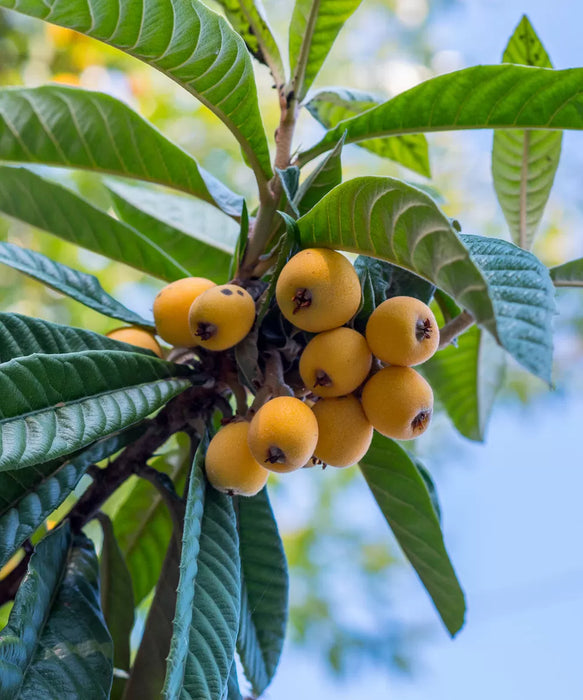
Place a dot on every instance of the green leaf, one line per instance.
(264, 591)
(147, 677)
(117, 602)
(333, 105)
(197, 235)
(325, 176)
(143, 525)
(380, 280)
(569, 274)
(56, 404)
(233, 692)
(208, 598)
(30, 198)
(28, 496)
(315, 24)
(466, 380)
(506, 289)
(241, 245)
(186, 41)
(72, 128)
(480, 97)
(524, 163)
(77, 285)
(22, 335)
(523, 296)
(56, 644)
(248, 20)
(404, 500)
(290, 180)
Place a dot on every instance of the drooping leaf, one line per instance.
(313, 29)
(143, 525)
(54, 405)
(325, 176)
(290, 180)
(28, 496)
(428, 479)
(186, 41)
(248, 20)
(333, 105)
(117, 602)
(147, 677)
(569, 274)
(380, 280)
(522, 293)
(480, 97)
(506, 289)
(208, 598)
(194, 233)
(524, 163)
(49, 206)
(78, 285)
(403, 497)
(466, 379)
(22, 335)
(72, 128)
(264, 591)
(56, 644)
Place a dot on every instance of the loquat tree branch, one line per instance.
(455, 327)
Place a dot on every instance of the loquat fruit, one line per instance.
(335, 363)
(402, 331)
(222, 316)
(136, 336)
(283, 434)
(171, 307)
(398, 402)
(318, 289)
(230, 466)
(344, 432)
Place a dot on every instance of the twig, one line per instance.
(454, 328)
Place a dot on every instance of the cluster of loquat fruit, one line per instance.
(346, 394)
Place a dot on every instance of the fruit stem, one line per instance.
(455, 327)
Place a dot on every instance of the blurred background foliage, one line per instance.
(332, 544)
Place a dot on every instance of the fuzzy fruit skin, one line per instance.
(171, 307)
(344, 358)
(332, 282)
(287, 425)
(136, 336)
(344, 432)
(394, 331)
(230, 311)
(230, 466)
(394, 398)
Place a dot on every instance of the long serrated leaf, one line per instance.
(314, 26)
(117, 602)
(264, 591)
(49, 206)
(524, 163)
(522, 293)
(22, 335)
(466, 379)
(56, 644)
(72, 128)
(28, 496)
(186, 41)
(507, 289)
(143, 525)
(147, 677)
(194, 233)
(248, 20)
(54, 405)
(77, 285)
(405, 502)
(480, 97)
(569, 274)
(325, 176)
(208, 598)
(333, 105)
